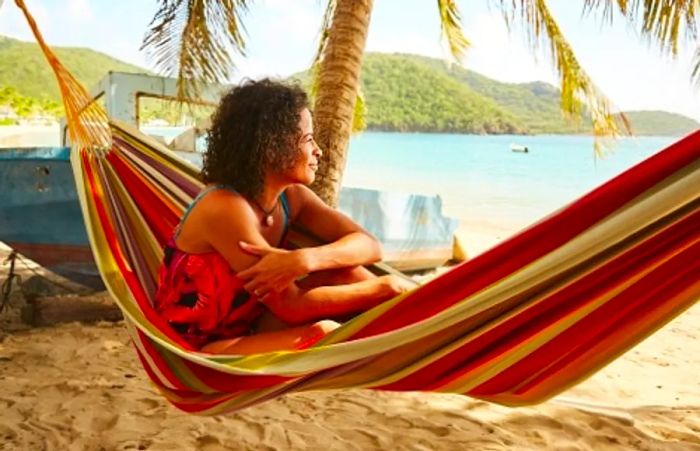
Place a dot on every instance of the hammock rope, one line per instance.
(516, 325)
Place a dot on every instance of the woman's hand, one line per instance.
(276, 270)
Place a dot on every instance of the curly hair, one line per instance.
(254, 128)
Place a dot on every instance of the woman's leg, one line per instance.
(279, 340)
(340, 276)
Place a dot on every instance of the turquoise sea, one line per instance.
(480, 180)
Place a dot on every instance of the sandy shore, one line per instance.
(80, 387)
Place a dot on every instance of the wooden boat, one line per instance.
(39, 212)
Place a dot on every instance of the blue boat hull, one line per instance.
(40, 215)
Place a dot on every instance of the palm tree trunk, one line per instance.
(339, 80)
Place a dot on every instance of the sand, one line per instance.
(80, 387)
(30, 136)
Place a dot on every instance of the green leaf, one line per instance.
(195, 41)
(451, 28)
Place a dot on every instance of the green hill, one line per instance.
(417, 93)
(402, 93)
(660, 123)
(532, 107)
(24, 68)
(534, 104)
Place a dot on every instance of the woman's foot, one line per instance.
(398, 285)
(300, 337)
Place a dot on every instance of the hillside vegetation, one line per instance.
(661, 123)
(404, 93)
(23, 67)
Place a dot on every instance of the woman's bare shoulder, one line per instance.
(225, 205)
(298, 195)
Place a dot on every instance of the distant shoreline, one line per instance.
(443, 132)
(49, 135)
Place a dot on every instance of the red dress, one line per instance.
(200, 295)
(202, 298)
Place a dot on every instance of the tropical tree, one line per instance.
(196, 40)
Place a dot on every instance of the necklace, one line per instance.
(268, 219)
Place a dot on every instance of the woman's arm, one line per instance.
(348, 243)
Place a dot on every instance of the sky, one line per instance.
(281, 38)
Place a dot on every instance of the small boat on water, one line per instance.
(519, 148)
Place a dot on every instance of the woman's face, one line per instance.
(304, 170)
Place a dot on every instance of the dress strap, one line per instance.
(285, 210)
(194, 202)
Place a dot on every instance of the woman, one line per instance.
(226, 272)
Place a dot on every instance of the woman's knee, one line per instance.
(312, 333)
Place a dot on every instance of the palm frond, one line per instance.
(195, 41)
(576, 86)
(451, 28)
(607, 8)
(663, 22)
(359, 113)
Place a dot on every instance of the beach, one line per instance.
(30, 135)
(80, 387)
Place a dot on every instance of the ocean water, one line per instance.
(480, 180)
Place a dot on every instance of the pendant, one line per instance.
(269, 220)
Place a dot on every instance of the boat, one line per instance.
(40, 216)
(519, 148)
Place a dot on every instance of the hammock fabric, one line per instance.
(516, 325)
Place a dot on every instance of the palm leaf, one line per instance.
(607, 7)
(195, 40)
(359, 113)
(577, 87)
(451, 28)
(662, 21)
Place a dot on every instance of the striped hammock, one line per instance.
(516, 325)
